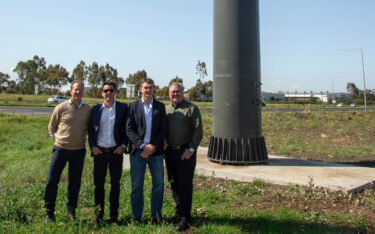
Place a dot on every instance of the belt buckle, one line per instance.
(108, 149)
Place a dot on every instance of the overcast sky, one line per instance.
(300, 39)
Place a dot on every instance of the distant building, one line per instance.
(321, 97)
(266, 96)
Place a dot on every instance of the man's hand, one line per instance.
(95, 150)
(148, 150)
(187, 154)
(119, 150)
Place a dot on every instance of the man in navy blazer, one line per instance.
(146, 128)
(108, 141)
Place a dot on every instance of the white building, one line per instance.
(322, 97)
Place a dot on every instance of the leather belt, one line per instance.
(110, 149)
(178, 147)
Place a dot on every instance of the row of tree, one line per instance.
(202, 91)
(357, 95)
(35, 72)
(51, 78)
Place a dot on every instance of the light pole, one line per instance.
(363, 73)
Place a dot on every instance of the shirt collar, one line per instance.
(113, 106)
(178, 104)
(80, 104)
(143, 101)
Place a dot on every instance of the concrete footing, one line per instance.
(284, 171)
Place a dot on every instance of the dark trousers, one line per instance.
(101, 163)
(180, 176)
(60, 157)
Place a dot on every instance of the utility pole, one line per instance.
(363, 73)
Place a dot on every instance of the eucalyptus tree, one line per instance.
(80, 72)
(201, 70)
(4, 79)
(201, 91)
(96, 75)
(12, 87)
(31, 73)
(177, 80)
(111, 74)
(136, 78)
(56, 76)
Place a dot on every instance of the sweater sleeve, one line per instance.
(55, 119)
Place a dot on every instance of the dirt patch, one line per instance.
(312, 200)
(341, 140)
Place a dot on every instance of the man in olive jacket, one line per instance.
(184, 134)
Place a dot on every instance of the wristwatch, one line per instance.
(191, 150)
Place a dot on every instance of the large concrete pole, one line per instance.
(237, 134)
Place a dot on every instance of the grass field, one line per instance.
(346, 136)
(219, 206)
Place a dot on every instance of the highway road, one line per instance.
(33, 111)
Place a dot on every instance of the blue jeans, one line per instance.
(60, 157)
(137, 172)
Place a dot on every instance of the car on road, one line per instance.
(353, 104)
(57, 99)
(340, 105)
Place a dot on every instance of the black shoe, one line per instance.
(50, 218)
(113, 219)
(183, 225)
(157, 221)
(137, 221)
(175, 219)
(98, 220)
(71, 216)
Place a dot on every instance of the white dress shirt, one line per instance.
(148, 117)
(107, 123)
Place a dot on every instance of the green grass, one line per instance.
(327, 136)
(218, 206)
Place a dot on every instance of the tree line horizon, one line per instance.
(52, 77)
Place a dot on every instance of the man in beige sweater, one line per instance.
(68, 125)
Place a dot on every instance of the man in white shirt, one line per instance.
(108, 141)
(146, 128)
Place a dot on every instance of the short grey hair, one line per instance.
(180, 86)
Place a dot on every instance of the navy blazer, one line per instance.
(136, 126)
(119, 128)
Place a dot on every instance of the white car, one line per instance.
(354, 104)
(340, 105)
(56, 99)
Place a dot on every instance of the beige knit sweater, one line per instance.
(70, 125)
